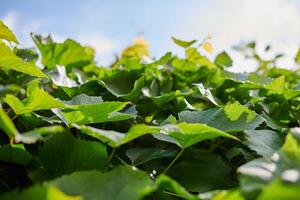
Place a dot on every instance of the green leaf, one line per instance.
(125, 84)
(223, 60)
(283, 165)
(235, 110)
(114, 138)
(165, 98)
(297, 57)
(38, 99)
(14, 154)
(206, 93)
(64, 154)
(9, 61)
(264, 142)
(194, 56)
(139, 156)
(277, 86)
(202, 172)
(7, 34)
(38, 134)
(39, 192)
(95, 113)
(187, 134)
(84, 99)
(7, 125)
(182, 43)
(216, 117)
(69, 53)
(167, 186)
(279, 190)
(122, 183)
(233, 194)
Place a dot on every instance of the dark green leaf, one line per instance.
(64, 154)
(132, 184)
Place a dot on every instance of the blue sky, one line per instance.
(110, 26)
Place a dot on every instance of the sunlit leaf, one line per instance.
(7, 34)
(9, 61)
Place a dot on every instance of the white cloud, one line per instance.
(104, 46)
(10, 19)
(274, 22)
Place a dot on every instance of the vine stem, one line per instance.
(111, 155)
(173, 161)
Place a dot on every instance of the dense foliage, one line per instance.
(168, 128)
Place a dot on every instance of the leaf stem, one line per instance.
(173, 194)
(173, 161)
(14, 117)
(11, 141)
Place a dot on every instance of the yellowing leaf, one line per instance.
(141, 41)
(139, 49)
(207, 47)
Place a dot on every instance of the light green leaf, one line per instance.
(187, 134)
(278, 190)
(194, 56)
(39, 192)
(182, 43)
(95, 113)
(38, 99)
(233, 194)
(69, 53)
(216, 117)
(38, 134)
(7, 125)
(7, 34)
(9, 61)
(114, 138)
(277, 86)
(235, 110)
(167, 186)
